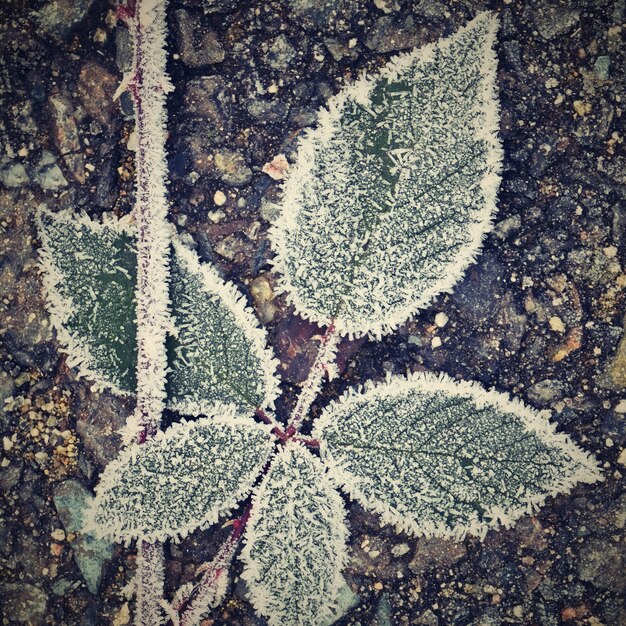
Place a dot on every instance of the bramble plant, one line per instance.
(386, 206)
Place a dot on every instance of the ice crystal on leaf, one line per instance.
(295, 541)
(181, 479)
(393, 191)
(90, 274)
(436, 457)
(217, 354)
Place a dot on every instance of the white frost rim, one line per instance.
(534, 421)
(119, 532)
(245, 318)
(61, 308)
(257, 588)
(487, 114)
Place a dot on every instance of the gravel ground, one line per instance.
(539, 314)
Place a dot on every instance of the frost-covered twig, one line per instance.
(149, 85)
(323, 364)
(208, 593)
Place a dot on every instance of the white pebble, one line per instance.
(556, 324)
(436, 342)
(219, 198)
(441, 319)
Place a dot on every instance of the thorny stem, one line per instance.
(311, 386)
(190, 607)
(148, 86)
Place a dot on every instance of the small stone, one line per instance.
(219, 198)
(378, 586)
(58, 534)
(400, 550)
(48, 174)
(122, 617)
(556, 324)
(277, 168)
(435, 342)
(232, 168)
(198, 45)
(441, 319)
(387, 6)
(601, 67)
(339, 50)
(553, 18)
(12, 173)
(582, 108)
(390, 34)
(26, 604)
(96, 87)
(621, 459)
(546, 391)
(620, 407)
(280, 54)
(263, 296)
(72, 499)
(345, 601)
(518, 611)
(58, 17)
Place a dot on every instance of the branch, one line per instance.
(149, 85)
(329, 342)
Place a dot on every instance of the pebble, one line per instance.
(71, 500)
(198, 45)
(441, 319)
(390, 34)
(263, 296)
(553, 18)
(556, 324)
(546, 391)
(48, 174)
(219, 198)
(58, 17)
(232, 168)
(25, 603)
(280, 54)
(95, 88)
(400, 549)
(12, 173)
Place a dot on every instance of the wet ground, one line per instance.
(539, 315)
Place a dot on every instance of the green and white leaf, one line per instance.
(394, 190)
(295, 542)
(218, 353)
(89, 273)
(437, 457)
(182, 479)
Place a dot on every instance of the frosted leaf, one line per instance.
(89, 272)
(219, 353)
(181, 479)
(393, 191)
(295, 542)
(437, 457)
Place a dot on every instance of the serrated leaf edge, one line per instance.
(107, 481)
(535, 421)
(245, 318)
(250, 575)
(328, 122)
(60, 309)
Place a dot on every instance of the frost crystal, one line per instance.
(90, 273)
(181, 479)
(295, 542)
(436, 457)
(394, 190)
(219, 353)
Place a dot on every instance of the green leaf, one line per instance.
(437, 457)
(89, 272)
(218, 352)
(295, 542)
(182, 479)
(393, 191)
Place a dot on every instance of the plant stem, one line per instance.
(311, 386)
(149, 85)
(206, 593)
